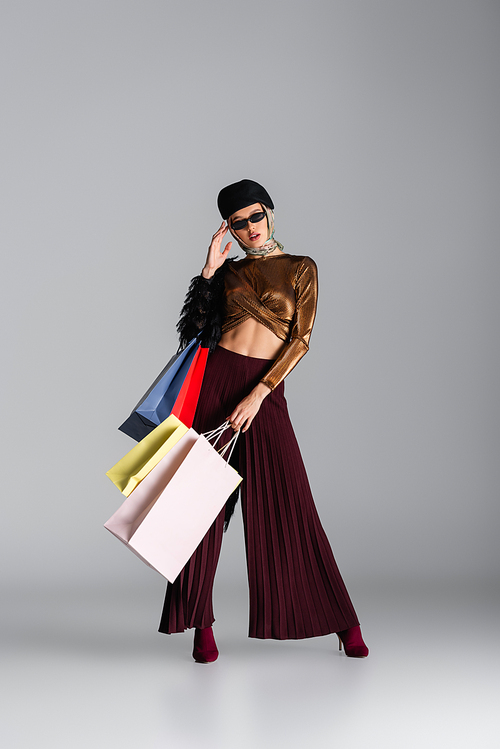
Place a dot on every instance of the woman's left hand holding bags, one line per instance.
(246, 411)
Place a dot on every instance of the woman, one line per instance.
(256, 316)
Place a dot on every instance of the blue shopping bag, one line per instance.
(157, 403)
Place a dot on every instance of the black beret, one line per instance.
(240, 194)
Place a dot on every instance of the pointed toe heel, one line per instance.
(204, 648)
(352, 640)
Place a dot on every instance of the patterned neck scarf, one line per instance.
(268, 246)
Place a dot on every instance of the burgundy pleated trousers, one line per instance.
(295, 586)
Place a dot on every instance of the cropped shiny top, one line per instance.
(280, 292)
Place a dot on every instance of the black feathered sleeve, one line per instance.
(203, 308)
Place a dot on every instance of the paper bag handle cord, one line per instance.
(231, 444)
(216, 434)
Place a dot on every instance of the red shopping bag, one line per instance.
(187, 400)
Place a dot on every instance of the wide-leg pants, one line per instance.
(295, 586)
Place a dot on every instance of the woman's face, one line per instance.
(255, 233)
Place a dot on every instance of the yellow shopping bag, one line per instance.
(136, 464)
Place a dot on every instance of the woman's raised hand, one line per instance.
(215, 257)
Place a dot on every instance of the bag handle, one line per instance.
(216, 434)
(231, 444)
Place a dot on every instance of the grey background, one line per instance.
(374, 126)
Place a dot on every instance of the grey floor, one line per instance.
(86, 668)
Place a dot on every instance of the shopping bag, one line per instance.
(187, 400)
(138, 462)
(157, 403)
(126, 520)
(166, 517)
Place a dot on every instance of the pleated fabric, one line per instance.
(295, 587)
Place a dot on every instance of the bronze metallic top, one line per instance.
(280, 292)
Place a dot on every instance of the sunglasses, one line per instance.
(253, 219)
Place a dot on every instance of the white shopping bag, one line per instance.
(168, 513)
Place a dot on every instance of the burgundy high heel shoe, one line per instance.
(352, 640)
(204, 649)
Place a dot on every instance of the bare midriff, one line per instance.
(251, 338)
